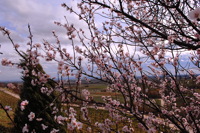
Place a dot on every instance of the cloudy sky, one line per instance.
(15, 15)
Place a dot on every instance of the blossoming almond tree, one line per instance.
(137, 48)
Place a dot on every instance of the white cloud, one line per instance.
(16, 15)
(39, 14)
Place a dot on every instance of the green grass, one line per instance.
(95, 87)
(5, 122)
(158, 102)
(6, 99)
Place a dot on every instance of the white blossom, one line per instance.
(194, 14)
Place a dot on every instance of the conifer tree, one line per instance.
(39, 106)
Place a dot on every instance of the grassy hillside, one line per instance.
(5, 123)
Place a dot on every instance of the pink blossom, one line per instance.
(5, 31)
(70, 126)
(44, 90)
(22, 107)
(33, 82)
(138, 89)
(126, 129)
(16, 45)
(74, 122)
(85, 113)
(85, 93)
(108, 122)
(197, 95)
(34, 73)
(171, 38)
(194, 14)
(7, 108)
(6, 62)
(43, 78)
(152, 130)
(115, 102)
(31, 116)
(198, 51)
(89, 129)
(198, 79)
(54, 130)
(79, 125)
(38, 119)
(23, 104)
(11, 86)
(59, 119)
(25, 129)
(37, 45)
(44, 127)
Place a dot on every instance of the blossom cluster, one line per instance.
(23, 104)
(73, 121)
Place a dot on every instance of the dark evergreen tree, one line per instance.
(39, 102)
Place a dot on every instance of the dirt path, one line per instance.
(10, 93)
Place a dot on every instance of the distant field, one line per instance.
(95, 115)
(94, 87)
(97, 90)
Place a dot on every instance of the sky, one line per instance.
(15, 15)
